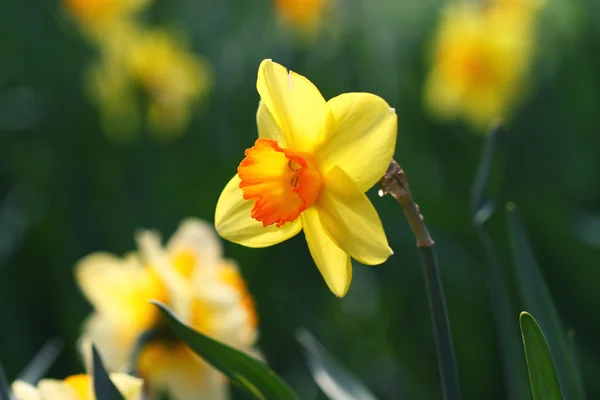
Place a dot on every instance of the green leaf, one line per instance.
(539, 302)
(104, 388)
(252, 375)
(483, 206)
(544, 383)
(5, 392)
(334, 379)
(40, 364)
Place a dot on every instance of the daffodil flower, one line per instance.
(76, 387)
(189, 274)
(309, 170)
(481, 58)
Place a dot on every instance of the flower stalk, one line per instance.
(395, 183)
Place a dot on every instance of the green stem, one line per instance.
(441, 324)
(395, 183)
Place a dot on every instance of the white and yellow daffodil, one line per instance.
(76, 387)
(204, 290)
(309, 170)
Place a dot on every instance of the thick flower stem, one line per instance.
(395, 183)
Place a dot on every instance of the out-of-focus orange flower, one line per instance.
(306, 15)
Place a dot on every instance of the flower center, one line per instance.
(282, 182)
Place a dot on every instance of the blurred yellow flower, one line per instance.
(483, 52)
(156, 62)
(306, 15)
(76, 387)
(99, 17)
(173, 77)
(309, 169)
(204, 290)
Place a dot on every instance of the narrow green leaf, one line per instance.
(5, 392)
(252, 375)
(40, 364)
(539, 302)
(104, 388)
(334, 379)
(483, 205)
(481, 184)
(544, 383)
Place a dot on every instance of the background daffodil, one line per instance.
(76, 387)
(309, 170)
(482, 55)
(189, 275)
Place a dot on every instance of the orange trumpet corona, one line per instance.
(282, 182)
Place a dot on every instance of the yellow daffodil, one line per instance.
(76, 387)
(482, 55)
(309, 170)
(305, 15)
(204, 290)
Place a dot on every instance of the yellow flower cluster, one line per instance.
(482, 54)
(133, 59)
(189, 274)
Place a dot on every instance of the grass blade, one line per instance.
(539, 302)
(104, 388)
(40, 364)
(334, 379)
(544, 383)
(5, 392)
(483, 205)
(252, 375)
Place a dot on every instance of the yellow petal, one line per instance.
(129, 386)
(351, 220)
(334, 263)
(179, 289)
(234, 223)
(296, 105)
(118, 288)
(25, 391)
(52, 389)
(268, 128)
(114, 341)
(199, 239)
(364, 139)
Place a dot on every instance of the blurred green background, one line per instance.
(67, 190)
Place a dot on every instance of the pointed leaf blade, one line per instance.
(104, 388)
(544, 383)
(334, 379)
(5, 392)
(252, 375)
(539, 302)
